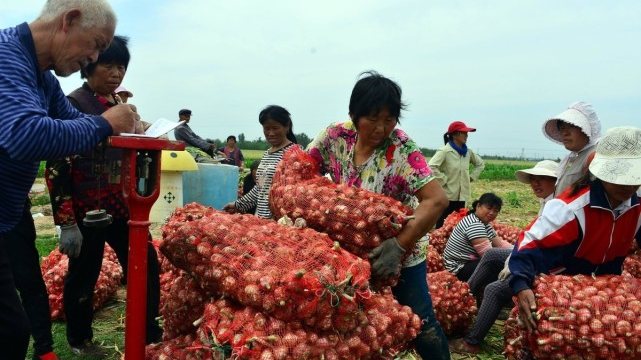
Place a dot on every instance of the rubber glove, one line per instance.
(70, 240)
(506, 270)
(386, 259)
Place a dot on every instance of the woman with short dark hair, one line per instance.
(370, 152)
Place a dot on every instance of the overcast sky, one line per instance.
(503, 67)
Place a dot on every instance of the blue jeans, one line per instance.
(412, 291)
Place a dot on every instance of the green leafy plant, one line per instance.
(512, 198)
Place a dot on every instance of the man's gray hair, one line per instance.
(95, 13)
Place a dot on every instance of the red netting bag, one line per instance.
(182, 302)
(515, 346)
(454, 305)
(54, 268)
(585, 317)
(183, 347)
(286, 272)
(508, 233)
(254, 335)
(434, 260)
(438, 237)
(632, 265)
(357, 218)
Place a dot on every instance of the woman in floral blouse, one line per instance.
(371, 153)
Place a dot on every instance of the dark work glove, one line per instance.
(386, 259)
(70, 240)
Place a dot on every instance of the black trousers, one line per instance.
(14, 326)
(452, 207)
(20, 245)
(83, 275)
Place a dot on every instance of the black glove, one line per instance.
(386, 259)
(70, 240)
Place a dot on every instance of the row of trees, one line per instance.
(304, 140)
(301, 138)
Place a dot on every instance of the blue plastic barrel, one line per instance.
(213, 185)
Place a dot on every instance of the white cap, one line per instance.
(618, 156)
(579, 114)
(542, 168)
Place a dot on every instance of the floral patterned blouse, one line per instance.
(396, 169)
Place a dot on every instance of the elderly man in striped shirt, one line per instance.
(67, 35)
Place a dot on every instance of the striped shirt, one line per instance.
(259, 196)
(32, 111)
(459, 249)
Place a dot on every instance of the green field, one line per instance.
(519, 208)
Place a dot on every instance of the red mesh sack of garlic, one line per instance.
(165, 265)
(454, 305)
(286, 272)
(183, 347)
(182, 302)
(254, 335)
(508, 233)
(632, 265)
(434, 260)
(54, 268)
(585, 317)
(357, 218)
(438, 237)
(515, 347)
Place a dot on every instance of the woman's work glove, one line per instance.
(70, 240)
(506, 270)
(386, 259)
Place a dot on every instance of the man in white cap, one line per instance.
(578, 129)
(588, 229)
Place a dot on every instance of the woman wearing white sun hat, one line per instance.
(542, 179)
(578, 129)
(589, 228)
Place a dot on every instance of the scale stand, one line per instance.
(140, 181)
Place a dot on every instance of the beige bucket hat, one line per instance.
(618, 156)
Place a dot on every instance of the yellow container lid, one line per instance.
(177, 161)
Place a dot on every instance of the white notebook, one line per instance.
(159, 128)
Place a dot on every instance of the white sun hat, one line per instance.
(618, 156)
(542, 168)
(578, 113)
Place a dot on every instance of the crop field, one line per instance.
(520, 207)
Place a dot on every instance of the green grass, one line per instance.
(41, 169)
(495, 170)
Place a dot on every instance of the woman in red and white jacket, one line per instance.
(587, 229)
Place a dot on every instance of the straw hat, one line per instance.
(542, 168)
(618, 156)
